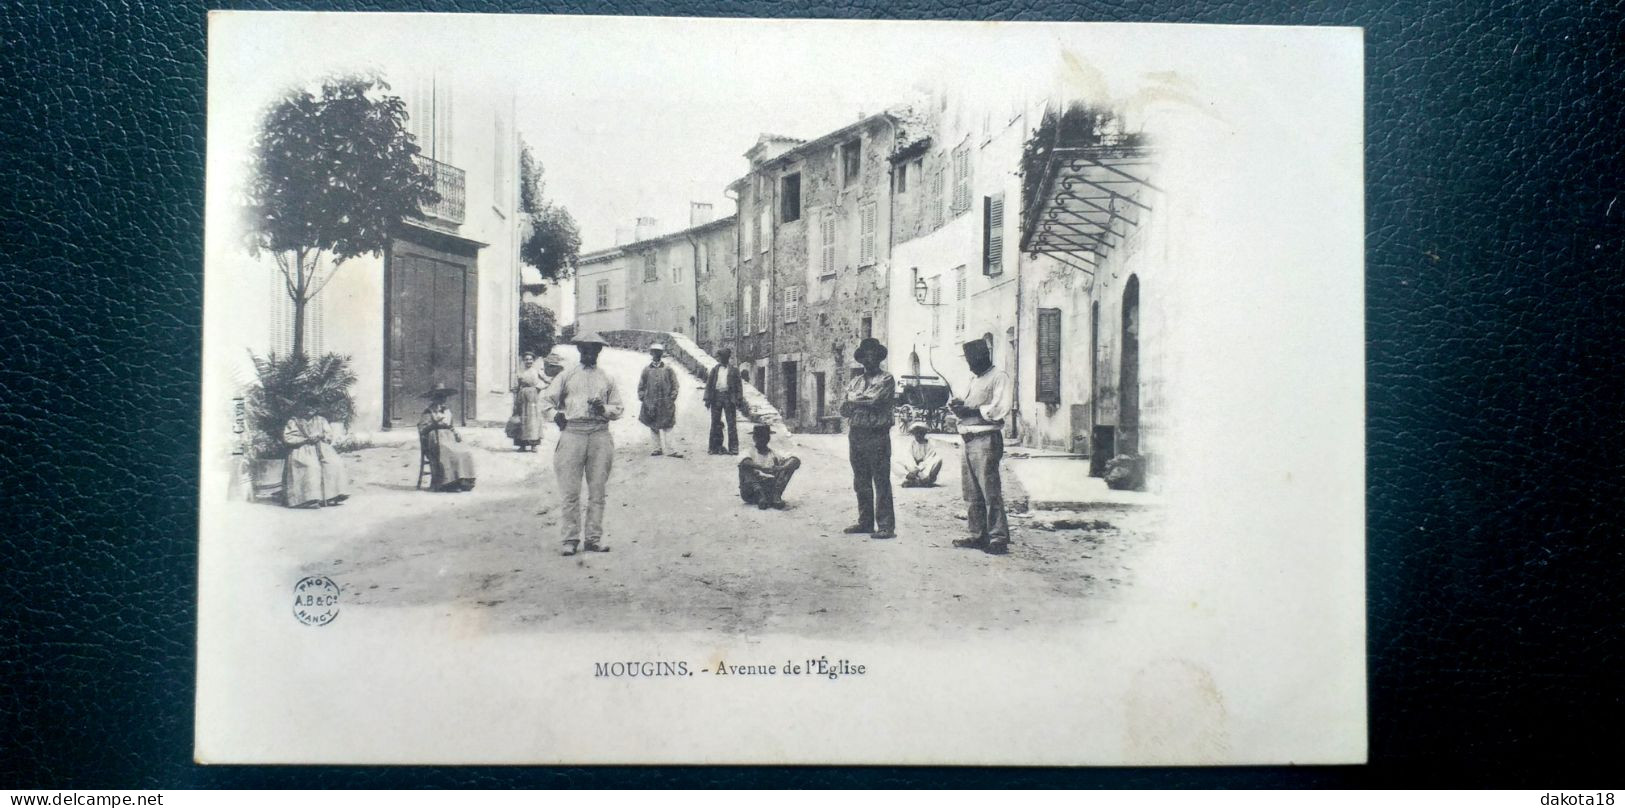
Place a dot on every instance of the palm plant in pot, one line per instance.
(283, 382)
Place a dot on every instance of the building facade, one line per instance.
(440, 305)
(814, 261)
(956, 209)
(653, 284)
(601, 290)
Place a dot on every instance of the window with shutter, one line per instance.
(1049, 356)
(993, 234)
(936, 307)
(961, 179)
(603, 295)
(960, 296)
(746, 245)
(764, 228)
(750, 311)
(792, 304)
(938, 190)
(866, 235)
(764, 302)
(651, 273)
(730, 310)
(827, 243)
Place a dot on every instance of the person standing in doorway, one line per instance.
(657, 391)
(724, 392)
(868, 410)
(583, 400)
(981, 416)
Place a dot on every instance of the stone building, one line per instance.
(814, 256)
(440, 305)
(653, 284)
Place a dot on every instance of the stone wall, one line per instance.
(690, 357)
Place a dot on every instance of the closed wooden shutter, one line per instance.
(1049, 356)
(792, 304)
(961, 179)
(993, 234)
(961, 289)
(764, 303)
(866, 235)
(827, 242)
(938, 190)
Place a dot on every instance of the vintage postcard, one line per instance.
(653, 390)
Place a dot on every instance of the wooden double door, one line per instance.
(430, 319)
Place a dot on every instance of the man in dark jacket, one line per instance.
(870, 397)
(724, 392)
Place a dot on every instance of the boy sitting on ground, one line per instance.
(764, 473)
(922, 464)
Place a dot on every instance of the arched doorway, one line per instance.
(1128, 377)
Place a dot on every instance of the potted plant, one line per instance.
(283, 381)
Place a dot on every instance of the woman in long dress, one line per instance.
(313, 475)
(451, 465)
(527, 404)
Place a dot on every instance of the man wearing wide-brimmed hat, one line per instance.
(870, 397)
(657, 393)
(583, 400)
(981, 423)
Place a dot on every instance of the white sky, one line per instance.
(639, 116)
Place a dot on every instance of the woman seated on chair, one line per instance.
(313, 475)
(451, 465)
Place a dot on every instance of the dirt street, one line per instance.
(687, 554)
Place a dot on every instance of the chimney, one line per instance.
(646, 228)
(699, 213)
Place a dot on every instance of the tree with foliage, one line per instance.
(333, 175)
(537, 324)
(553, 242)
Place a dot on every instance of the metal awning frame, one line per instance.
(1084, 192)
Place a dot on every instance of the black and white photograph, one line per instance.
(683, 390)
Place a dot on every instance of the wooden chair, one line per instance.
(425, 465)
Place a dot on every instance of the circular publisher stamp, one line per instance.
(316, 600)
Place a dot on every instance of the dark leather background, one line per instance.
(1494, 294)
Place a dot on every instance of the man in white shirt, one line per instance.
(582, 401)
(981, 423)
(922, 463)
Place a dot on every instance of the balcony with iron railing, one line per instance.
(450, 183)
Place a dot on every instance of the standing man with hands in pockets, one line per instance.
(724, 392)
(583, 400)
